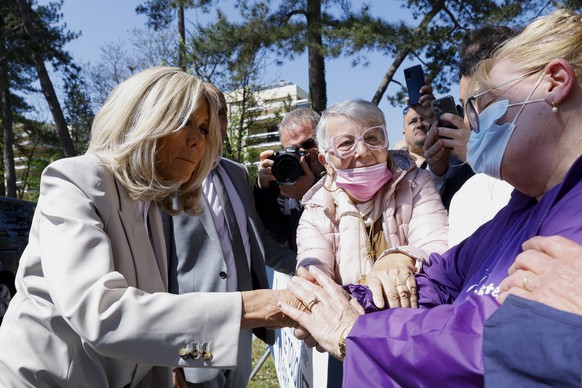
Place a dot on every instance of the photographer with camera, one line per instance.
(285, 176)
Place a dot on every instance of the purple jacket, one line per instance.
(442, 342)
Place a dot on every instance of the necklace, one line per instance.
(370, 250)
(370, 245)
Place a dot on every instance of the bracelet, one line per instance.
(342, 341)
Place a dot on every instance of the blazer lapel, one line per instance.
(157, 232)
(148, 274)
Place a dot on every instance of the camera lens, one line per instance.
(287, 168)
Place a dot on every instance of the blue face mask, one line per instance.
(485, 149)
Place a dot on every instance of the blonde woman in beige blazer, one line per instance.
(92, 308)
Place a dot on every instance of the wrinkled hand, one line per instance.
(392, 277)
(265, 175)
(290, 299)
(178, 380)
(305, 274)
(300, 332)
(304, 335)
(553, 269)
(328, 317)
(303, 184)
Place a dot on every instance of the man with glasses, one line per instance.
(279, 205)
(446, 167)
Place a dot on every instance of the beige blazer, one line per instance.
(91, 307)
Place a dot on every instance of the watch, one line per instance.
(342, 341)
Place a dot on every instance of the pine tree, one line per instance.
(28, 39)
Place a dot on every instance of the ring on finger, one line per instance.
(315, 300)
(524, 284)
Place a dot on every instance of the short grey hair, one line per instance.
(297, 120)
(364, 113)
(141, 110)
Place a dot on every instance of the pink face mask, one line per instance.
(363, 182)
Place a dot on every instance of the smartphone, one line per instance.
(414, 77)
(444, 105)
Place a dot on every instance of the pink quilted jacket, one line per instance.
(414, 222)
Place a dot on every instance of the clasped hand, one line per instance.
(332, 309)
(392, 279)
(547, 271)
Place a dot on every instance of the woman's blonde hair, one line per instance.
(144, 108)
(557, 35)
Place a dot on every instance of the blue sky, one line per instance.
(104, 21)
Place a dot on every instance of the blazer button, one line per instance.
(206, 355)
(185, 353)
(222, 275)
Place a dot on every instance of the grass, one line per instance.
(266, 377)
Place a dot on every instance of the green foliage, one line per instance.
(18, 73)
(52, 36)
(37, 145)
(243, 114)
(284, 29)
(79, 111)
(440, 25)
(233, 53)
(160, 13)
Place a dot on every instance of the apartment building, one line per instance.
(265, 108)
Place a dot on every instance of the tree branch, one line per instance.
(289, 15)
(388, 77)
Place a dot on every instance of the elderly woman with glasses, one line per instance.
(375, 217)
(526, 118)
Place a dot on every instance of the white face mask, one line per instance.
(485, 149)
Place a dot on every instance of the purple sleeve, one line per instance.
(419, 347)
(439, 283)
(441, 280)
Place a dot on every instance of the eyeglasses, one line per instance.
(471, 111)
(344, 145)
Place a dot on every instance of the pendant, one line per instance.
(362, 280)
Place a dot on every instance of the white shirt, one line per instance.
(476, 202)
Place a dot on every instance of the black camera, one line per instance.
(287, 165)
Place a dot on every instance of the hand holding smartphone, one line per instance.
(414, 77)
(444, 105)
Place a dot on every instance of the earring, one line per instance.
(555, 108)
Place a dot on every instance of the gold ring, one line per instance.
(524, 284)
(312, 303)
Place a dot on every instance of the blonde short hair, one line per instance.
(557, 35)
(144, 108)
